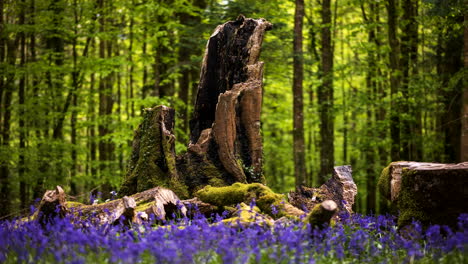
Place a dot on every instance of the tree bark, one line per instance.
(153, 161)
(225, 141)
(298, 101)
(394, 79)
(325, 97)
(464, 132)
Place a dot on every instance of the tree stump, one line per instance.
(225, 139)
(428, 192)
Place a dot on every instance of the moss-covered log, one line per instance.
(269, 202)
(429, 192)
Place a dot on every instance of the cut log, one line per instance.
(153, 161)
(428, 192)
(340, 188)
(225, 139)
(322, 213)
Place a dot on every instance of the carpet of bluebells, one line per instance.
(354, 239)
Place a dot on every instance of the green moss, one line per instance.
(179, 188)
(144, 206)
(71, 204)
(248, 215)
(240, 192)
(153, 161)
(385, 182)
(410, 202)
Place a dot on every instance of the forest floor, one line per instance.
(354, 239)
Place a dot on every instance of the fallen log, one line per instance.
(428, 192)
(160, 202)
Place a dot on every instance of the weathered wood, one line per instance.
(159, 201)
(340, 188)
(225, 139)
(429, 192)
(51, 205)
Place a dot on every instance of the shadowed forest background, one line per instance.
(359, 82)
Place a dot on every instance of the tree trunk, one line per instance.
(407, 63)
(5, 188)
(394, 79)
(464, 132)
(21, 114)
(325, 97)
(298, 104)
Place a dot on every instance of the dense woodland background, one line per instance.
(358, 82)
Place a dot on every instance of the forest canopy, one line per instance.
(357, 82)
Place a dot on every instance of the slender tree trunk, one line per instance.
(2, 60)
(407, 63)
(369, 152)
(298, 104)
(131, 111)
(325, 97)
(464, 132)
(5, 188)
(21, 114)
(394, 79)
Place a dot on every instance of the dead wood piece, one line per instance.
(51, 205)
(322, 214)
(340, 188)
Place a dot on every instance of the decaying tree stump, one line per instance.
(429, 192)
(225, 139)
(340, 188)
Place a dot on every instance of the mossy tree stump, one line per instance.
(153, 161)
(225, 139)
(428, 192)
